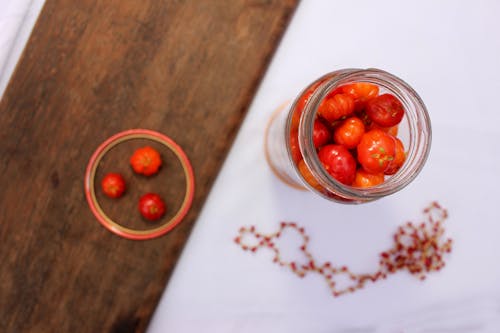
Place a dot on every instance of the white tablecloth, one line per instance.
(449, 51)
(17, 18)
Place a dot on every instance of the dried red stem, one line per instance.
(417, 248)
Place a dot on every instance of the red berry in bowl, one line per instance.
(113, 185)
(151, 206)
(146, 161)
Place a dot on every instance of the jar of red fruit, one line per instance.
(351, 136)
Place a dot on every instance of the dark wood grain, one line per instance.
(93, 68)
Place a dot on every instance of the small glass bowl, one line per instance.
(120, 228)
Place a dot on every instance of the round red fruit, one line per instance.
(338, 162)
(399, 158)
(146, 161)
(385, 110)
(376, 151)
(365, 179)
(362, 92)
(113, 185)
(321, 134)
(349, 133)
(336, 107)
(151, 206)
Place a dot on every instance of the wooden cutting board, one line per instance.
(92, 68)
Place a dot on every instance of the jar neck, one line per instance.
(418, 138)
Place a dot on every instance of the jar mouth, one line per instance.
(416, 120)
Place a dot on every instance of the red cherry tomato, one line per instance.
(151, 206)
(113, 185)
(338, 162)
(349, 133)
(336, 107)
(362, 92)
(146, 161)
(365, 179)
(389, 130)
(376, 151)
(321, 134)
(385, 110)
(294, 146)
(399, 158)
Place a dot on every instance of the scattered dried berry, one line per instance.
(418, 249)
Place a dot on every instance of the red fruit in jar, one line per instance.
(336, 107)
(308, 176)
(338, 162)
(294, 146)
(385, 110)
(151, 206)
(399, 158)
(349, 133)
(366, 179)
(321, 134)
(393, 130)
(376, 151)
(361, 114)
(362, 92)
(146, 161)
(294, 125)
(113, 185)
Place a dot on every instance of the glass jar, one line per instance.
(293, 125)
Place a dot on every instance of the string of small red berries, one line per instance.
(418, 248)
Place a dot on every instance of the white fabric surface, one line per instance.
(449, 52)
(17, 18)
